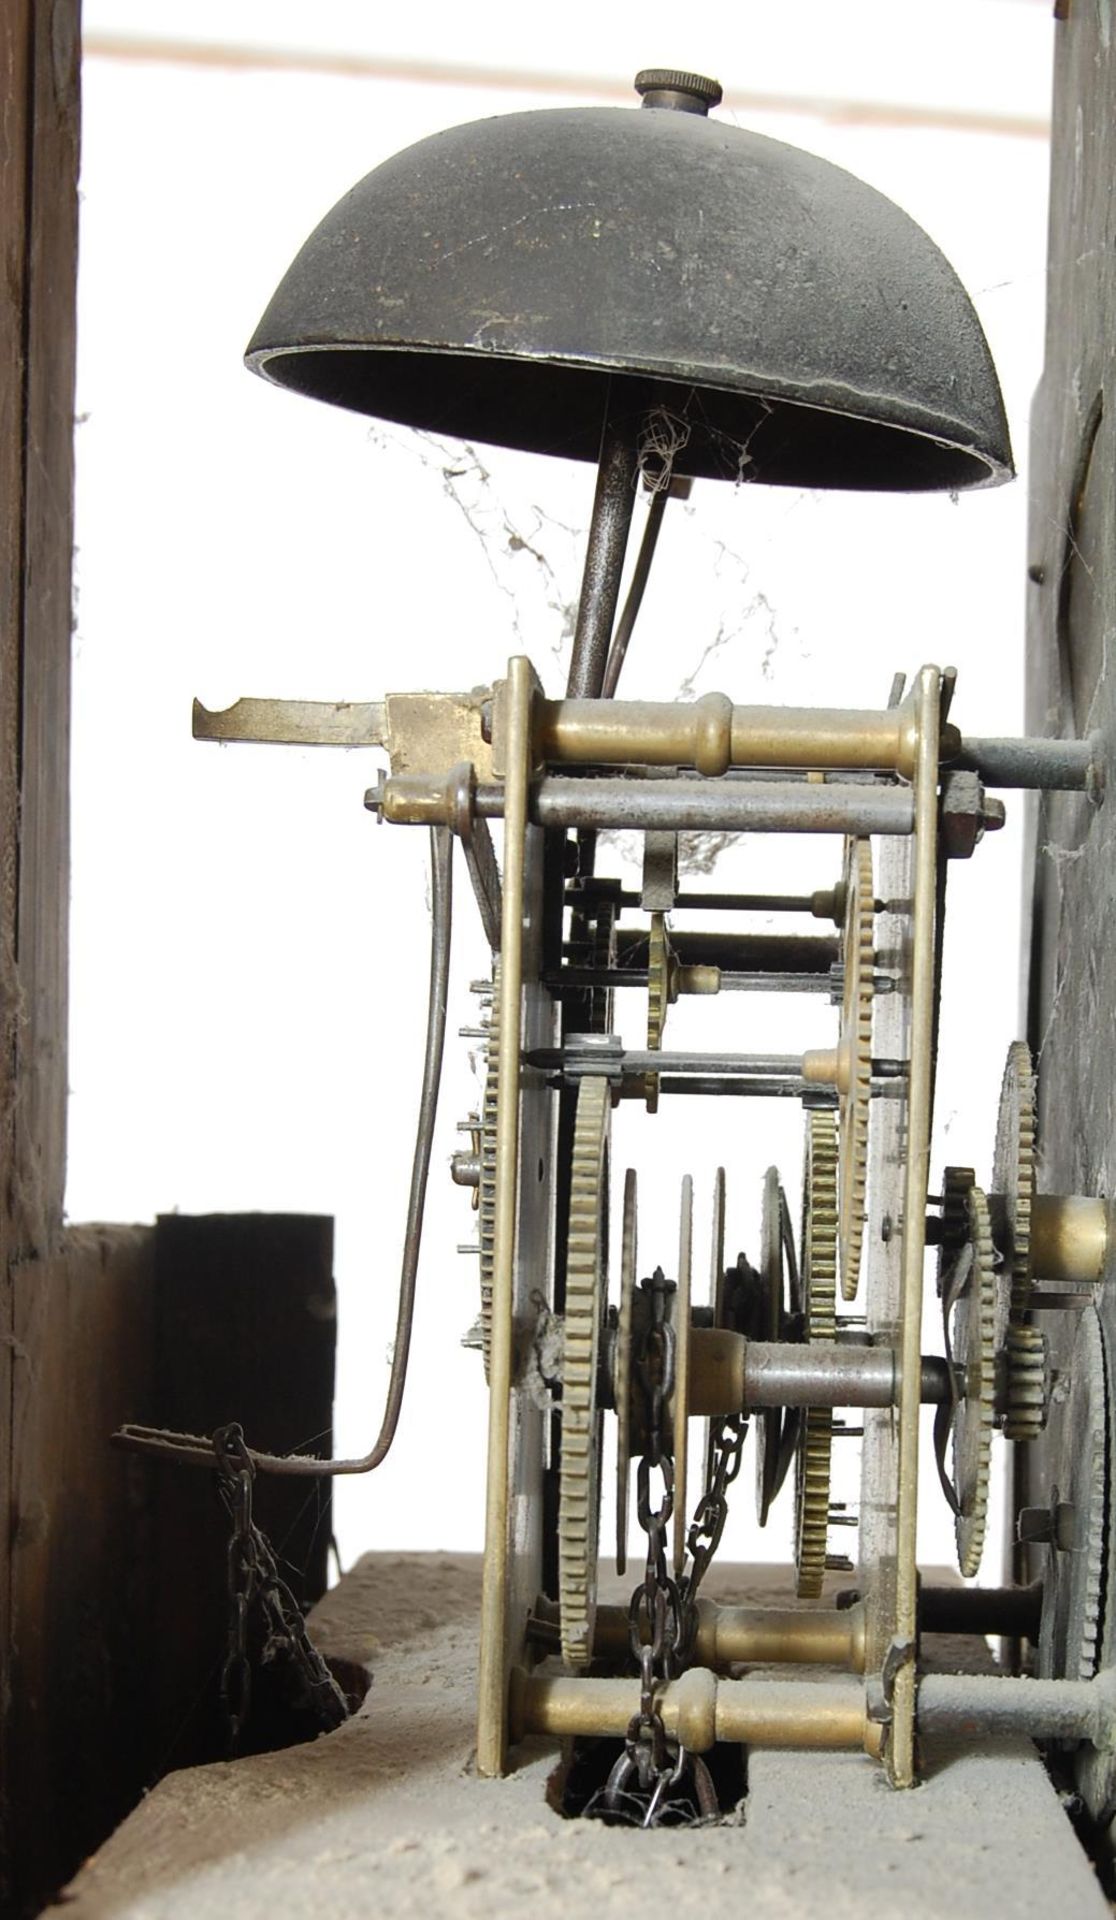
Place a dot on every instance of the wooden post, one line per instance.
(39, 123)
(1071, 671)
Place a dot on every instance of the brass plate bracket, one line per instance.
(423, 732)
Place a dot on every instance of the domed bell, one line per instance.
(510, 280)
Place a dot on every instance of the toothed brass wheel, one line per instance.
(579, 1487)
(971, 1306)
(779, 1277)
(1013, 1173)
(856, 1043)
(1028, 1383)
(622, 1366)
(486, 1189)
(819, 1283)
(662, 990)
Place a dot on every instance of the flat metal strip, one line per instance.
(492, 1675)
(900, 1753)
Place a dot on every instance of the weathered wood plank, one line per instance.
(1071, 680)
(81, 1530)
(14, 59)
(38, 238)
(43, 900)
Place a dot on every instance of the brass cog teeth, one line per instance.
(820, 1240)
(1028, 1364)
(579, 1480)
(856, 1023)
(1015, 1164)
(658, 999)
(487, 1188)
(975, 1349)
(622, 1365)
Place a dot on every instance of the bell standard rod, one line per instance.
(617, 473)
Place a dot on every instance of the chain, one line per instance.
(653, 1768)
(711, 1512)
(254, 1580)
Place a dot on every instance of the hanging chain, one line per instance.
(711, 1512)
(653, 1770)
(254, 1580)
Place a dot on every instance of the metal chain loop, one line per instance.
(657, 1773)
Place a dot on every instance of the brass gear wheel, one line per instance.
(1028, 1382)
(579, 1485)
(973, 1340)
(1013, 1172)
(820, 1229)
(662, 991)
(778, 1269)
(622, 1366)
(856, 1045)
(486, 1189)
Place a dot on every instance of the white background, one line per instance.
(249, 949)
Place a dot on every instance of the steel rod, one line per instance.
(737, 952)
(1068, 765)
(984, 1705)
(573, 1059)
(613, 501)
(625, 626)
(193, 1449)
(744, 1088)
(570, 979)
(1013, 1612)
(559, 800)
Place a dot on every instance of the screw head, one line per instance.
(688, 92)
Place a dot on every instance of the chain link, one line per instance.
(655, 1772)
(254, 1580)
